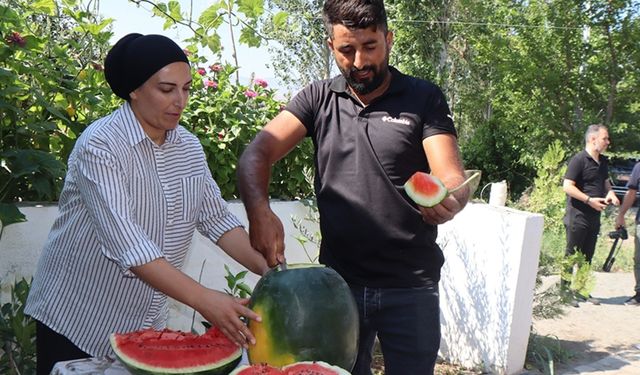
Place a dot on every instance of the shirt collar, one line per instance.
(133, 130)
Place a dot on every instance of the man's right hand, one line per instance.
(598, 204)
(267, 236)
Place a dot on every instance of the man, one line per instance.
(372, 128)
(588, 190)
(627, 202)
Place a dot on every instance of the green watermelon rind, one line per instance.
(423, 200)
(220, 367)
(338, 370)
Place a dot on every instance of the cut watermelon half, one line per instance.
(257, 369)
(174, 352)
(313, 368)
(298, 368)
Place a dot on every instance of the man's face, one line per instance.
(362, 55)
(601, 141)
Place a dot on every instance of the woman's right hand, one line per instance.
(225, 312)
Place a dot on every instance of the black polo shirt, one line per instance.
(372, 233)
(590, 177)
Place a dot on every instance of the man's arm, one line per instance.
(597, 203)
(445, 163)
(628, 201)
(271, 144)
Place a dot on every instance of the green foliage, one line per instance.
(51, 88)
(577, 271)
(227, 116)
(235, 284)
(301, 54)
(17, 333)
(543, 352)
(48, 99)
(307, 237)
(547, 196)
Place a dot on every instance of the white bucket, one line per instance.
(498, 196)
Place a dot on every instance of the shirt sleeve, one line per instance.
(437, 119)
(215, 219)
(574, 169)
(634, 179)
(102, 186)
(301, 106)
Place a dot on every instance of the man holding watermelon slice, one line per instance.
(373, 128)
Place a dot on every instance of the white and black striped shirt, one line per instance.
(126, 201)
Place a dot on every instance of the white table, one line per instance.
(102, 366)
(90, 366)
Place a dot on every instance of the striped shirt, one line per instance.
(126, 202)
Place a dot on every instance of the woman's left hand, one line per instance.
(225, 312)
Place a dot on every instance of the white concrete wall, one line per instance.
(486, 289)
(487, 286)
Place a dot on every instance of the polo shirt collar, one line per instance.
(133, 131)
(398, 83)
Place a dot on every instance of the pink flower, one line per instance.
(186, 52)
(250, 94)
(16, 39)
(210, 83)
(201, 71)
(220, 136)
(261, 82)
(215, 67)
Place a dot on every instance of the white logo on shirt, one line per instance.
(401, 120)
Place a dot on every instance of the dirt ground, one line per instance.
(592, 332)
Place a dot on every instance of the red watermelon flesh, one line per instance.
(298, 368)
(425, 189)
(257, 369)
(175, 352)
(313, 368)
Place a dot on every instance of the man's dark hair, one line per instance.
(354, 14)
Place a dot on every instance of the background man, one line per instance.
(588, 190)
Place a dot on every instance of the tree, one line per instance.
(300, 52)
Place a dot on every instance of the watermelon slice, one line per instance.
(298, 368)
(313, 368)
(427, 190)
(257, 369)
(174, 352)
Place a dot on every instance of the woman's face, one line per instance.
(159, 102)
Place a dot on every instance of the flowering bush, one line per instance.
(226, 117)
(52, 87)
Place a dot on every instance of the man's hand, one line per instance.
(598, 204)
(267, 236)
(442, 212)
(611, 198)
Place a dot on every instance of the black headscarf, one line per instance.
(135, 58)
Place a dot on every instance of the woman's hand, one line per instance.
(225, 312)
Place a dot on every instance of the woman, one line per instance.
(137, 187)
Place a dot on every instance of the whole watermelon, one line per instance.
(308, 314)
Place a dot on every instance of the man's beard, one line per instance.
(379, 73)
